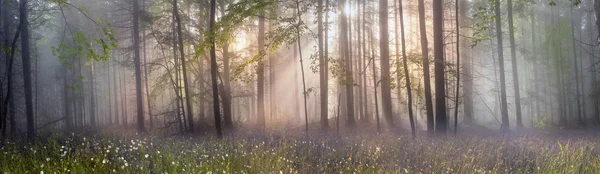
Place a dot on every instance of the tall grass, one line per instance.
(327, 154)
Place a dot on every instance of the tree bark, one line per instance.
(188, 97)
(513, 54)
(323, 84)
(138, 72)
(440, 90)
(25, 55)
(213, 71)
(384, 61)
(406, 73)
(426, 78)
(504, 105)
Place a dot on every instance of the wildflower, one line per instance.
(146, 155)
(47, 159)
(104, 161)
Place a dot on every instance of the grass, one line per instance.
(296, 154)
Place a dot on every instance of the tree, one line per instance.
(348, 81)
(188, 97)
(214, 69)
(226, 96)
(457, 67)
(92, 96)
(26, 56)
(426, 79)
(384, 61)
(138, 72)
(577, 97)
(375, 82)
(406, 73)
(322, 69)
(513, 55)
(260, 72)
(440, 90)
(504, 105)
(467, 75)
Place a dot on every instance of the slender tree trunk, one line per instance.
(594, 84)
(364, 60)
(226, 96)
(360, 67)
(348, 82)
(384, 61)
(302, 65)
(92, 97)
(272, 72)
(296, 85)
(457, 67)
(406, 73)
(116, 94)
(513, 54)
(213, 71)
(138, 72)
(261, 72)
(578, 93)
(188, 97)
(67, 100)
(397, 54)
(504, 104)
(25, 54)
(467, 75)
(322, 68)
(148, 97)
(375, 83)
(426, 78)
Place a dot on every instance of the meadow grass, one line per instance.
(297, 154)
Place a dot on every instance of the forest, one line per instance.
(299, 86)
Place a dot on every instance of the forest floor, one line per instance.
(531, 152)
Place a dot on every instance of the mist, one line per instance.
(378, 80)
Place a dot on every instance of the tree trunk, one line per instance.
(138, 72)
(364, 60)
(578, 93)
(504, 105)
(348, 82)
(375, 83)
(148, 100)
(513, 55)
(213, 71)
(260, 72)
(25, 55)
(323, 84)
(188, 97)
(594, 85)
(92, 97)
(226, 96)
(467, 65)
(426, 78)
(406, 73)
(384, 61)
(440, 91)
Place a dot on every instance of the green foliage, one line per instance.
(79, 45)
(483, 19)
(574, 2)
(544, 123)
